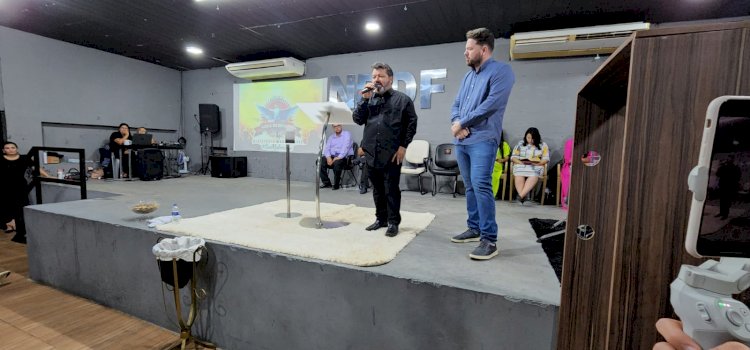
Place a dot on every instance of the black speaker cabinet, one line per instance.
(209, 118)
(149, 164)
(228, 166)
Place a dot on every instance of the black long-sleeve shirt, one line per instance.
(390, 121)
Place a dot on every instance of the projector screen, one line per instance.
(264, 112)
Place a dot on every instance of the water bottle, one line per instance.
(60, 174)
(175, 213)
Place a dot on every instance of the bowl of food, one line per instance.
(145, 207)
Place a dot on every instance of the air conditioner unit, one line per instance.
(267, 69)
(572, 42)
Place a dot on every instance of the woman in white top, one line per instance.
(529, 158)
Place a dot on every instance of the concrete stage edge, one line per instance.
(430, 297)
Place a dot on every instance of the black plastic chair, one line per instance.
(349, 164)
(444, 164)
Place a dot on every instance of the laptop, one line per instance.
(142, 139)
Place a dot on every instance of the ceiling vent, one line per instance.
(267, 69)
(572, 42)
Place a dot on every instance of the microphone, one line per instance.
(368, 89)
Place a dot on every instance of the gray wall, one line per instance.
(544, 96)
(47, 80)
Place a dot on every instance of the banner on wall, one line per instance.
(265, 112)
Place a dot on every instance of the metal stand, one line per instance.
(288, 213)
(185, 334)
(206, 151)
(316, 222)
(553, 234)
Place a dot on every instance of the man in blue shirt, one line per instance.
(476, 125)
(338, 147)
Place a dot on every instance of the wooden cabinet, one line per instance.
(643, 112)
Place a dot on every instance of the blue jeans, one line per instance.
(476, 162)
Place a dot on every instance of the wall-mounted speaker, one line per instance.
(209, 118)
(228, 166)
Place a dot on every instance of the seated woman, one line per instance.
(503, 152)
(529, 158)
(13, 167)
(116, 140)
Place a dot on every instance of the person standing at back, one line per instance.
(390, 124)
(476, 125)
(13, 169)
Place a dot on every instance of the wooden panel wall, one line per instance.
(744, 79)
(587, 264)
(673, 79)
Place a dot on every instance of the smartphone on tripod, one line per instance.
(718, 226)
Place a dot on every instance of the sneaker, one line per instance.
(485, 251)
(4, 278)
(325, 185)
(470, 235)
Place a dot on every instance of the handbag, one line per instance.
(73, 174)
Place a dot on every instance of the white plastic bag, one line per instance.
(178, 247)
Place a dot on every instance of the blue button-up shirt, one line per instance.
(481, 101)
(339, 145)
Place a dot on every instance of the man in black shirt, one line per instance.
(390, 124)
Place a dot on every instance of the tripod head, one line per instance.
(702, 298)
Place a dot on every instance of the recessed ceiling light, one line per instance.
(194, 50)
(372, 26)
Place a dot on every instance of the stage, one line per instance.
(431, 296)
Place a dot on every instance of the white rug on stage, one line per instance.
(258, 226)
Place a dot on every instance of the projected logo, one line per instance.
(276, 119)
(266, 111)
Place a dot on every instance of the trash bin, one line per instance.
(185, 250)
(179, 256)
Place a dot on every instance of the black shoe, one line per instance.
(325, 185)
(336, 187)
(375, 225)
(392, 230)
(362, 190)
(718, 215)
(520, 199)
(469, 235)
(485, 251)
(19, 239)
